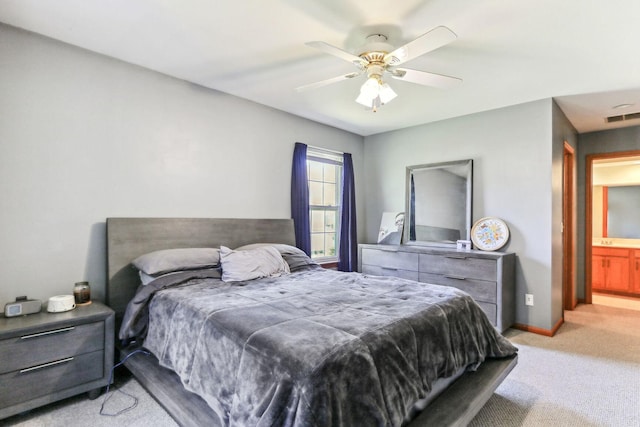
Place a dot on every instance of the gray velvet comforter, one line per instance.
(316, 347)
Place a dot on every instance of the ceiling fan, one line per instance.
(378, 58)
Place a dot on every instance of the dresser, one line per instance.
(489, 277)
(46, 357)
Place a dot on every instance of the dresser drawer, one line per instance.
(390, 259)
(376, 270)
(491, 310)
(459, 265)
(40, 380)
(480, 290)
(49, 345)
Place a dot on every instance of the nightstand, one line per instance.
(46, 357)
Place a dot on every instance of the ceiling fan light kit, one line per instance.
(378, 57)
(375, 93)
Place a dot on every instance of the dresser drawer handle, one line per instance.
(455, 277)
(389, 268)
(455, 256)
(45, 365)
(57, 331)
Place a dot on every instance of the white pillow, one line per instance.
(251, 264)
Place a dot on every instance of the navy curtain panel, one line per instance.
(300, 198)
(348, 250)
(412, 216)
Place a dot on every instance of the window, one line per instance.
(324, 172)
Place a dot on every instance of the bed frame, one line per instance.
(128, 238)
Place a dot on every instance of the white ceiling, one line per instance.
(583, 53)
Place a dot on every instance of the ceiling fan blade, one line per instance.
(427, 42)
(342, 54)
(328, 81)
(425, 78)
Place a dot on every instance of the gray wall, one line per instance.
(84, 137)
(610, 141)
(515, 154)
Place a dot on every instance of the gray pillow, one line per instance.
(169, 260)
(241, 265)
(212, 273)
(295, 257)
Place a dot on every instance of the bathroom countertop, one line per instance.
(618, 245)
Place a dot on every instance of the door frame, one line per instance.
(569, 296)
(588, 215)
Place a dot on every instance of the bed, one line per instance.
(451, 401)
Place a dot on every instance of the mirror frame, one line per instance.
(469, 202)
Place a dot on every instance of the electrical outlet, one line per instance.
(528, 299)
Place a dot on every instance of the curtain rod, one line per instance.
(326, 150)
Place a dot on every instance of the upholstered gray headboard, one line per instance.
(128, 238)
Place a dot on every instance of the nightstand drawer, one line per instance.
(40, 380)
(48, 345)
(459, 265)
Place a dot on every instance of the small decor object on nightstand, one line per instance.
(489, 234)
(61, 303)
(22, 306)
(82, 293)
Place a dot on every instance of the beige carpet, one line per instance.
(587, 375)
(80, 411)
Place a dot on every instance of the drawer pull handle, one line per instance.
(45, 365)
(57, 331)
(456, 277)
(389, 268)
(455, 257)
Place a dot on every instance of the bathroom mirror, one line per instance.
(438, 203)
(621, 207)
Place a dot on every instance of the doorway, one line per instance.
(600, 232)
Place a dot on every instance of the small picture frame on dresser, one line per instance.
(463, 245)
